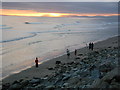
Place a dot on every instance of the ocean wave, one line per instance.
(5, 27)
(20, 38)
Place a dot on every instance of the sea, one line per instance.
(47, 38)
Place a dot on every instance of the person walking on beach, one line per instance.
(36, 62)
(68, 53)
(75, 52)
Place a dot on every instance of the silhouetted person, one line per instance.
(75, 52)
(92, 46)
(36, 62)
(68, 53)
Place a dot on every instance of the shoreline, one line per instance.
(28, 73)
(49, 58)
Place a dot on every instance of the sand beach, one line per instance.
(73, 72)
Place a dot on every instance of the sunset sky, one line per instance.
(59, 9)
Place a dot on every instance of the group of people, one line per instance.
(68, 52)
(91, 46)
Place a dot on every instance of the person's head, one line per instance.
(36, 58)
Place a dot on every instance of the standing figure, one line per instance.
(68, 53)
(36, 62)
(92, 46)
(75, 52)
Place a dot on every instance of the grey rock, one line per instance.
(58, 62)
(15, 86)
(65, 84)
(24, 83)
(50, 87)
(50, 68)
(66, 77)
(33, 81)
(41, 86)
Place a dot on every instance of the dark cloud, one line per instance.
(65, 7)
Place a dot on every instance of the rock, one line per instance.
(33, 81)
(106, 67)
(21, 80)
(15, 82)
(95, 83)
(30, 88)
(15, 87)
(114, 84)
(41, 86)
(50, 68)
(65, 84)
(50, 87)
(77, 57)
(5, 86)
(117, 78)
(24, 83)
(66, 77)
(104, 85)
(74, 80)
(85, 73)
(96, 52)
(80, 54)
(58, 62)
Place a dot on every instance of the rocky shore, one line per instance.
(96, 69)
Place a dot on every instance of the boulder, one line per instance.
(24, 83)
(41, 86)
(58, 62)
(50, 87)
(15, 87)
(33, 81)
(50, 68)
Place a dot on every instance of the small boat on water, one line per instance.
(27, 22)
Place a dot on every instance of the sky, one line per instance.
(58, 9)
(59, 0)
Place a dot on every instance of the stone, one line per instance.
(50, 87)
(65, 84)
(5, 86)
(106, 67)
(15, 82)
(58, 62)
(77, 57)
(15, 87)
(74, 80)
(33, 81)
(117, 78)
(24, 83)
(41, 86)
(50, 68)
(66, 77)
(104, 85)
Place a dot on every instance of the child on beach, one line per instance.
(68, 53)
(75, 52)
(36, 62)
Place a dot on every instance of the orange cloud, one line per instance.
(13, 12)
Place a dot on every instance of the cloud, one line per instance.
(13, 12)
(64, 7)
(59, 1)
